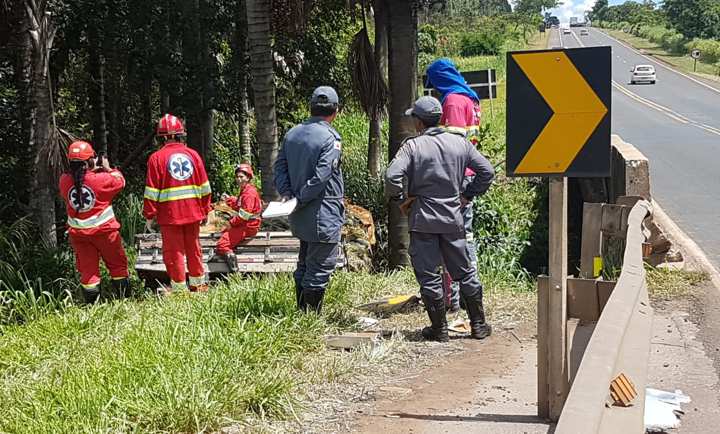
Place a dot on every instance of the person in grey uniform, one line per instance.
(308, 169)
(434, 163)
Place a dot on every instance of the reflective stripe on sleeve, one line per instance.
(151, 193)
(244, 214)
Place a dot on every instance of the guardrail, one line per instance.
(620, 344)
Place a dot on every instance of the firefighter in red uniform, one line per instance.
(246, 222)
(177, 194)
(94, 232)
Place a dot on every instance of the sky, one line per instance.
(577, 8)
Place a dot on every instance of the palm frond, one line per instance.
(367, 82)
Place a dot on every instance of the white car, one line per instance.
(643, 74)
(584, 32)
(566, 31)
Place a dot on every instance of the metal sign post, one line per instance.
(558, 126)
(557, 381)
(695, 54)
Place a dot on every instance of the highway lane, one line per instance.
(676, 124)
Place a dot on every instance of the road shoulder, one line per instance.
(487, 388)
(700, 79)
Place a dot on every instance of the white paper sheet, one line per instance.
(279, 209)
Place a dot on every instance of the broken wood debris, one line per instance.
(622, 391)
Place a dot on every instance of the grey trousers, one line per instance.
(316, 262)
(428, 252)
(467, 213)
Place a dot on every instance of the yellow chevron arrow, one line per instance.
(577, 111)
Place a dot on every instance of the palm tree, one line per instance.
(368, 82)
(263, 86)
(402, 74)
(38, 35)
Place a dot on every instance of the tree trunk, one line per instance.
(198, 94)
(402, 72)
(381, 37)
(42, 188)
(244, 125)
(374, 146)
(240, 55)
(263, 85)
(381, 60)
(96, 67)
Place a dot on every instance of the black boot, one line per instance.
(91, 295)
(438, 330)
(312, 300)
(231, 261)
(479, 329)
(299, 297)
(121, 288)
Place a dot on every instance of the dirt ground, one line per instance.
(489, 387)
(685, 355)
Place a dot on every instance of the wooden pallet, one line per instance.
(267, 252)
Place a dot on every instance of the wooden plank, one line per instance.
(583, 299)
(543, 285)
(557, 311)
(351, 340)
(612, 220)
(604, 289)
(591, 241)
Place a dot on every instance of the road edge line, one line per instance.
(669, 68)
(689, 247)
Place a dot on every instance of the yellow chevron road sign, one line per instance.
(558, 112)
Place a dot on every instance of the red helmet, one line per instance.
(169, 125)
(246, 169)
(80, 151)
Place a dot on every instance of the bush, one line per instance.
(674, 42)
(35, 278)
(427, 39)
(709, 49)
(481, 43)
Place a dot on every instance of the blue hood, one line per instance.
(445, 78)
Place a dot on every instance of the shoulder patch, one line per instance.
(337, 145)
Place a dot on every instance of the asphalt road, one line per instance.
(676, 124)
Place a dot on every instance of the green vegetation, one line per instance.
(187, 363)
(667, 283)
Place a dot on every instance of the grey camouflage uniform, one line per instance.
(434, 164)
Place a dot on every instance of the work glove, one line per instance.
(149, 225)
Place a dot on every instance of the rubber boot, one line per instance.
(121, 287)
(91, 295)
(479, 329)
(437, 331)
(299, 297)
(231, 261)
(312, 300)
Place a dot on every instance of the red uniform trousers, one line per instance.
(180, 241)
(234, 236)
(88, 251)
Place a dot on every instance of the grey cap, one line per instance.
(324, 95)
(427, 108)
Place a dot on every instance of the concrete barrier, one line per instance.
(630, 172)
(620, 344)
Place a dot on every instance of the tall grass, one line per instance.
(184, 364)
(35, 278)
